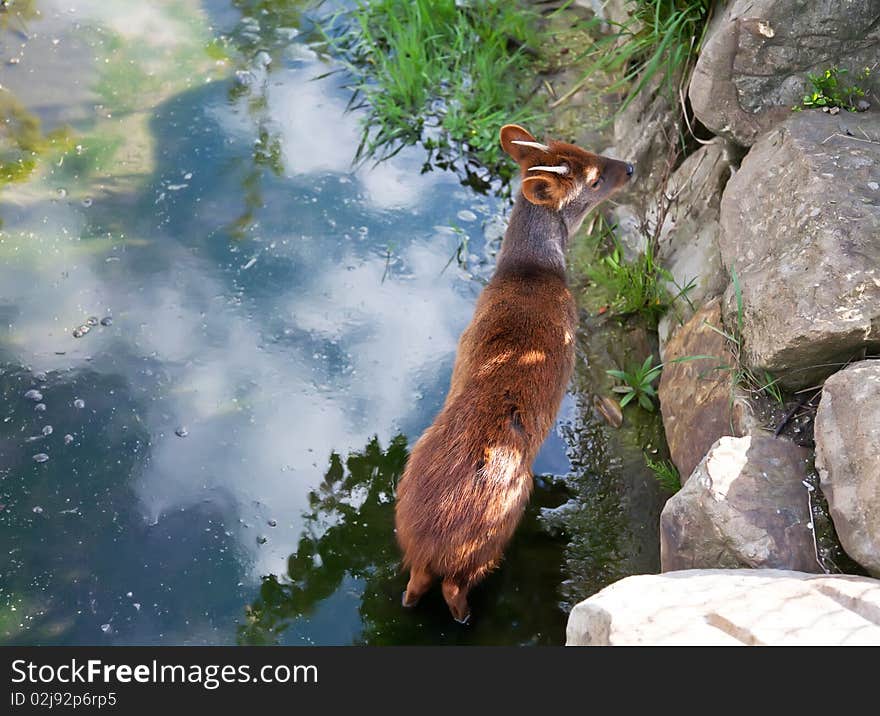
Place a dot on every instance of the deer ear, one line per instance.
(542, 190)
(511, 137)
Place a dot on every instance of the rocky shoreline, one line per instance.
(777, 218)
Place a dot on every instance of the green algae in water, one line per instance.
(612, 519)
(22, 140)
(93, 155)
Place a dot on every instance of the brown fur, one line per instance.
(468, 479)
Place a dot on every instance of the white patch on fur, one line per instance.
(561, 169)
(534, 145)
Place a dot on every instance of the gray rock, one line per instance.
(629, 230)
(745, 505)
(690, 230)
(730, 607)
(646, 135)
(847, 431)
(699, 399)
(757, 54)
(800, 224)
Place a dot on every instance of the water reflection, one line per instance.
(80, 563)
(337, 589)
(612, 518)
(270, 304)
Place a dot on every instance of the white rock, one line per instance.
(744, 505)
(730, 607)
(848, 458)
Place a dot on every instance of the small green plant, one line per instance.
(638, 286)
(659, 40)
(442, 73)
(461, 250)
(831, 89)
(638, 383)
(758, 381)
(665, 472)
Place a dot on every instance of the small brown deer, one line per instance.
(468, 479)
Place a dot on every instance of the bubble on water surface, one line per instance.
(244, 78)
(47, 430)
(68, 439)
(79, 403)
(34, 395)
(466, 215)
(41, 457)
(181, 432)
(40, 407)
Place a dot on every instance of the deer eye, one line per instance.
(596, 184)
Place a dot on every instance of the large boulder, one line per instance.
(699, 399)
(689, 234)
(754, 63)
(730, 607)
(745, 505)
(800, 222)
(847, 431)
(646, 134)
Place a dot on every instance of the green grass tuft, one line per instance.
(442, 74)
(638, 287)
(657, 42)
(743, 375)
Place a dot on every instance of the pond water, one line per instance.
(217, 338)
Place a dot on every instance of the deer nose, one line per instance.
(630, 169)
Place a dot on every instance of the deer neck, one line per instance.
(535, 240)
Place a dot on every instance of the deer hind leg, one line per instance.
(455, 594)
(420, 581)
